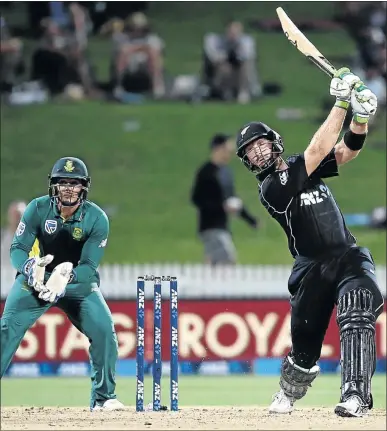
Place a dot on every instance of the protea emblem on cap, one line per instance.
(69, 166)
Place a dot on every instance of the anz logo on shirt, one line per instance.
(316, 196)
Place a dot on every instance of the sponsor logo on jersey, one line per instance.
(20, 229)
(77, 233)
(69, 166)
(283, 176)
(50, 226)
(103, 243)
(316, 196)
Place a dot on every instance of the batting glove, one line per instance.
(341, 86)
(364, 103)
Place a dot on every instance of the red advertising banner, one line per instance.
(213, 330)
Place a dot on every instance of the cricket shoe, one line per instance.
(281, 403)
(109, 405)
(352, 407)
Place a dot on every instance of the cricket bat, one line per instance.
(297, 38)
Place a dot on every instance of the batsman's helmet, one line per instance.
(69, 168)
(251, 132)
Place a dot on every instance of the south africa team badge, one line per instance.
(77, 233)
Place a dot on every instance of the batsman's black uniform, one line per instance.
(329, 269)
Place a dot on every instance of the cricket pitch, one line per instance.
(188, 418)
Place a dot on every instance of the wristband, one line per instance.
(361, 118)
(354, 141)
(342, 104)
(27, 266)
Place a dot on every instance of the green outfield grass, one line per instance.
(197, 390)
(143, 178)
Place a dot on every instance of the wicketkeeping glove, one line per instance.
(55, 288)
(34, 269)
(364, 103)
(341, 86)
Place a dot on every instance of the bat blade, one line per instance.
(298, 39)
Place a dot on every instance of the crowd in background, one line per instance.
(12, 63)
(366, 23)
(59, 61)
(61, 64)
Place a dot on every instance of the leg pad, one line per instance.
(356, 320)
(296, 380)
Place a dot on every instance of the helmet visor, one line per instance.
(261, 154)
(67, 190)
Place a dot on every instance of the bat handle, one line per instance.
(329, 69)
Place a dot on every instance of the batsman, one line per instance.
(56, 251)
(330, 268)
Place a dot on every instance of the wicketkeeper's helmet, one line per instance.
(69, 168)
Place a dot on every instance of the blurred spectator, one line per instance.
(115, 29)
(383, 61)
(61, 60)
(59, 13)
(11, 63)
(99, 12)
(378, 15)
(365, 23)
(377, 84)
(137, 58)
(378, 218)
(50, 62)
(229, 64)
(15, 212)
(81, 26)
(214, 196)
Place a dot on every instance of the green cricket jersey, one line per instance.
(81, 239)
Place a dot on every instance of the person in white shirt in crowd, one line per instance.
(11, 61)
(229, 64)
(138, 56)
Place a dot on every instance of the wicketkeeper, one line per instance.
(72, 233)
(330, 268)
